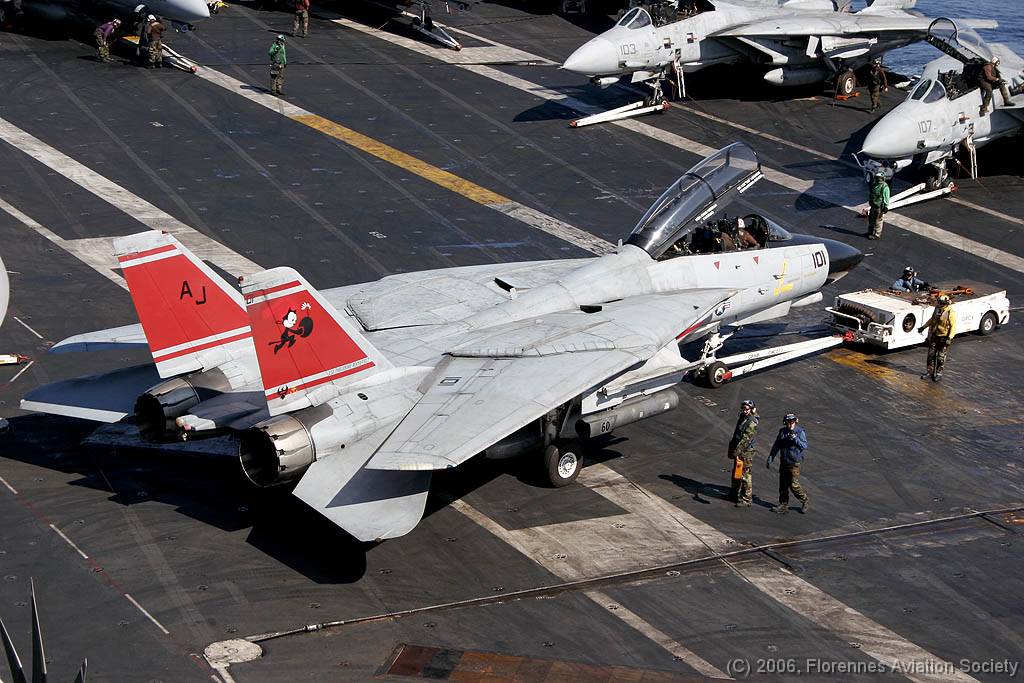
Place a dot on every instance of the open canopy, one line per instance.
(961, 42)
(696, 196)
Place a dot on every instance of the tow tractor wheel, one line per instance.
(846, 83)
(562, 462)
(988, 324)
(716, 374)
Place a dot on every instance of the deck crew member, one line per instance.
(155, 35)
(301, 18)
(909, 282)
(278, 62)
(990, 77)
(941, 329)
(877, 83)
(104, 36)
(742, 451)
(790, 443)
(879, 202)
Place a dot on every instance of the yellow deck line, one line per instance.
(436, 175)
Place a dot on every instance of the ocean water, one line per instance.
(1009, 13)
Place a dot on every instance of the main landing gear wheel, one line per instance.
(562, 462)
(988, 324)
(716, 374)
(846, 83)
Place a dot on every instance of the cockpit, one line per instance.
(928, 91)
(689, 216)
(661, 12)
(964, 44)
(726, 234)
(635, 18)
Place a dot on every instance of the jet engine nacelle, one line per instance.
(276, 451)
(789, 76)
(157, 409)
(279, 450)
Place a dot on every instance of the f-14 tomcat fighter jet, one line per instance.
(943, 111)
(370, 388)
(796, 42)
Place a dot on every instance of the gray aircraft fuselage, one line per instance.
(731, 33)
(930, 124)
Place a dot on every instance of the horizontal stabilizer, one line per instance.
(127, 336)
(126, 435)
(107, 397)
(371, 505)
(237, 411)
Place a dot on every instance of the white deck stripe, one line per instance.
(839, 191)
(104, 264)
(69, 542)
(133, 205)
(26, 326)
(869, 636)
(602, 546)
(553, 562)
(8, 486)
(701, 665)
(20, 372)
(148, 615)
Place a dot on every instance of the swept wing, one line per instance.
(498, 381)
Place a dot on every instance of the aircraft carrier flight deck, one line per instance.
(392, 154)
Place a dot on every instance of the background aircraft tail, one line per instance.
(191, 317)
(307, 351)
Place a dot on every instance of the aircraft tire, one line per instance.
(562, 462)
(988, 324)
(714, 374)
(846, 83)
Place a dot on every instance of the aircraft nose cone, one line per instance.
(891, 138)
(841, 258)
(596, 57)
